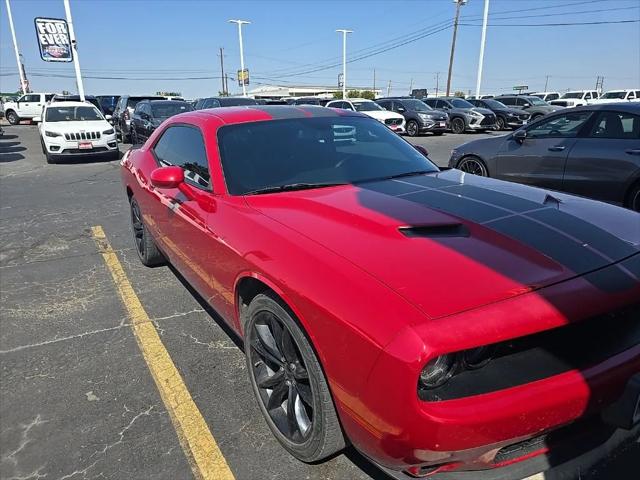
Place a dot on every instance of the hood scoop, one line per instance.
(435, 231)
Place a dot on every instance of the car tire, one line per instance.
(501, 124)
(146, 247)
(289, 366)
(413, 130)
(633, 198)
(457, 125)
(12, 117)
(474, 165)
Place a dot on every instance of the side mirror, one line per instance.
(167, 177)
(422, 150)
(526, 105)
(520, 136)
(401, 109)
(108, 118)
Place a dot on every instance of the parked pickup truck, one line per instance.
(27, 107)
(576, 98)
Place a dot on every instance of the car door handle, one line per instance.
(633, 151)
(558, 148)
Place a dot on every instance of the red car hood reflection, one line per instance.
(449, 243)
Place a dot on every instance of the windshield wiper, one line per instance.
(397, 175)
(292, 186)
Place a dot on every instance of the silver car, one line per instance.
(592, 151)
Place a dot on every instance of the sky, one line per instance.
(147, 46)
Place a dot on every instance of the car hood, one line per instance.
(608, 100)
(450, 242)
(382, 114)
(68, 127)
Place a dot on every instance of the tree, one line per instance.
(337, 95)
(354, 94)
(459, 94)
(368, 94)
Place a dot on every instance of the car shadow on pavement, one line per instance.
(9, 150)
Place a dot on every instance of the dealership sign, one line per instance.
(243, 77)
(53, 40)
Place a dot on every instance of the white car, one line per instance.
(27, 107)
(619, 96)
(577, 98)
(393, 120)
(547, 96)
(76, 129)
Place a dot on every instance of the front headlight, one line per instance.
(438, 371)
(424, 116)
(52, 134)
(475, 114)
(111, 131)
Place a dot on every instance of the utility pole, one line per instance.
(374, 82)
(546, 82)
(482, 42)
(240, 23)
(389, 89)
(344, 60)
(74, 49)
(599, 83)
(224, 90)
(23, 80)
(411, 86)
(458, 3)
(437, 82)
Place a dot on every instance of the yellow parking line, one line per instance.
(201, 449)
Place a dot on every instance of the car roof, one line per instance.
(157, 100)
(628, 107)
(61, 97)
(254, 113)
(69, 104)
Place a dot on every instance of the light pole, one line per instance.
(458, 3)
(240, 23)
(344, 60)
(482, 42)
(23, 81)
(74, 48)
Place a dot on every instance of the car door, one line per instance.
(539, 159)
(182, 223)
(603, 162)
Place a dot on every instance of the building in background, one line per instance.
(278, 91)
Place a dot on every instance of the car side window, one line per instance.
(183, 146)
(120, 103)
(385, 104)
(32, 98)
(616, 125)
(561, 126)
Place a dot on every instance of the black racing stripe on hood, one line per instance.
(499, 199)
(550, 242)
(458, 206)
(612, 279)
(586, 232)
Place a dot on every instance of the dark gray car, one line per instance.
(593, 151)
(419, 116)
(462, 115)
(534, 106)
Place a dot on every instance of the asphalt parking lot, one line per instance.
(78, 399)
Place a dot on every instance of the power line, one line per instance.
(550, 24)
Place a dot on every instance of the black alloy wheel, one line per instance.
(500, 123)
(457, 125)
(473, 165)
(145, 246)
(288, 382)
(634, 198)
(12, 118)
(412, 128)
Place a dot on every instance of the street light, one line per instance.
(240, 23)
(344, 60)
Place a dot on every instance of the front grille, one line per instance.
(524, 116)
(527, 359)
(84, 151)
(82, 135)
(488, 120)
(393, 121)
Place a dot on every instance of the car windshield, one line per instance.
(313, 152)
(72, 114)
(494, 104)
(572, 95)
(619, 95)
(460, 103)
(166, 110)
(537, 101)
(417, 105)
(366, 106)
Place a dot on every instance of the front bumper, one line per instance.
(434, 125)
(59, 147)
(391, 425)
(484, 123)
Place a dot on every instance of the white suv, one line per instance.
(546, 96)
(27, 107)
(393, 120)
(76, 129)
(576, 98)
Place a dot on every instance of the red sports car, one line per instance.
(442, 323)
